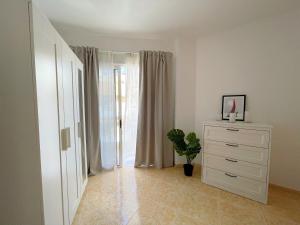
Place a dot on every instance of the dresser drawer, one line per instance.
(236, 151)
(257, 138)
(241, 168)
(253, 189)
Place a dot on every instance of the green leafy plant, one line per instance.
(188, 146)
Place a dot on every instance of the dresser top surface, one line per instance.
(240, 124)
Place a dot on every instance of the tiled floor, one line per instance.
(162, 197)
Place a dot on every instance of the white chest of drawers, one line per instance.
(236, 158)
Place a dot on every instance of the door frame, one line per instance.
(119, 130)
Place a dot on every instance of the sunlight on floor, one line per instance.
(153, 196)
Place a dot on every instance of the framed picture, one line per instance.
(233, 104)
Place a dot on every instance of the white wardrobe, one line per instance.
(43, 153)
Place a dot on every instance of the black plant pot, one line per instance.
(188, 170)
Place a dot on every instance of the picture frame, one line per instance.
(234, 103)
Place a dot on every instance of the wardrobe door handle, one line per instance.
(65, 139)
(79, 129)
(231, 129)
(230, 175)
(231, 160)
(232, 145)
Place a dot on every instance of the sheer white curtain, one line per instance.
(107, 110)
(131, 108)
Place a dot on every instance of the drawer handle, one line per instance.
(233, 145)
(230, 175)
(231, 160)
(231, 129)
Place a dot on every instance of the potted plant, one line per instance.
(189, 149)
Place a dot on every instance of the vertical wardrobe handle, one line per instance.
(79, 129)
(65, 139)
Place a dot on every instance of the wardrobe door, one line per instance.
(44, 43)
(80, 83)
(76, 122)
(80, 125)
(62, 127)
(84, 171)
(69, 114)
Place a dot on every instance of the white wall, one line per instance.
(20, 168)
(184, 50)
(185, 67)
(261, 60)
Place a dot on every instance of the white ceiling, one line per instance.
(161, 17)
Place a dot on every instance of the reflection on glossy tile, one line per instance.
(131, 196)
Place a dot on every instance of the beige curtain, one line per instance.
(89, 58)
(156, 110)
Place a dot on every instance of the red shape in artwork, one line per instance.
(233, 107)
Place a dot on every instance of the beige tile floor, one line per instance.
(131, 196)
